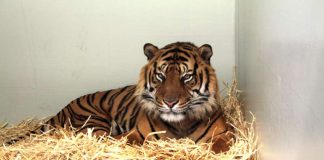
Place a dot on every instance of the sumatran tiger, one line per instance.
(177, 92)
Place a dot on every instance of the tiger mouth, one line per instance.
(172, 116)
(173, 111)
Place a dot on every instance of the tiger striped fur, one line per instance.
(177, 92)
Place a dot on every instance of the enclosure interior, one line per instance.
(52, 52)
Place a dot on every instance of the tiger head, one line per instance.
(178, 82)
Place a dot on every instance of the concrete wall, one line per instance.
(281, 57)
(54, 51)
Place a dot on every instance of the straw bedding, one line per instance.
(67, 145)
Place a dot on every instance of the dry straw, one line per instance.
(67, 145)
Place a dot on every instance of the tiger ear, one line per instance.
(150, 50)
(206, 52)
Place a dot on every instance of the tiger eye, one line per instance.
(188, 76)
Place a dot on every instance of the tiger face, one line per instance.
(178, 82)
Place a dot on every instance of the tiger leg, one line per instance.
(222, 142)
(219, 133)
(133, 137)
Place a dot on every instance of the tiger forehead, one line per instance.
(178, 53)
(180, 67)
(178, 64)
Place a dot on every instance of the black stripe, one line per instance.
(194, 127)
(126, 110)
(195, 68)
(210, 125)
(71, 121)
(176, 50)
(123, 125)
(93, 97)
(126, 97)
(187, 54)
(113, 97)
(89, 103)
(183, 58)
(134, 116)
(122, 105)
(82, 107)
(145, 80)
(165, 54)
(146, 96)
(101, 119)
(58, 116)
(62, 119)
(207, 76)
(119, 131)
(187, 48)
(170, 127)
(168, 58)
(75, 115)
(51, 122)
(103, 98)
(152, 128)
(201, 80)
(197, 103)
(100, 129)
(142, 136)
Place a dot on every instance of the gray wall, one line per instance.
(54, 51)
(281, 70)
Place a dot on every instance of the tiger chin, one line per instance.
(177, 92)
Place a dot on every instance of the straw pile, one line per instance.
(67, 145)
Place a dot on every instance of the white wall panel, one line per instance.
(281, 57)
(52, 51)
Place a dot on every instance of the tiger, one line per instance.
(177, 92)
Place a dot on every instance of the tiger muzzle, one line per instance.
(172, 90)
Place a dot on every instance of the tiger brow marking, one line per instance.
(185, 66)
(187, 48)
(168, 58)
(175, 58)
(181, 58)
(187, 54)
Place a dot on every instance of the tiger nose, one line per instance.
(170, 102)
